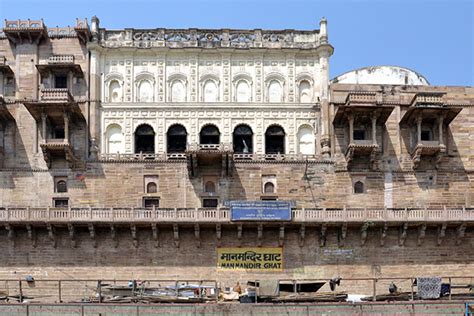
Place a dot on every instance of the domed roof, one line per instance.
(382, 75)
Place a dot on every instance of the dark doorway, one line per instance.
(275, 140)
(209, 203)
(243, 139)
(209, 135)
(176, 139)
(145, 139)
(150, 202)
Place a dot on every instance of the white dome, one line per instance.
(382, 75)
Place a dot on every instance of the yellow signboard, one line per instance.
(263, 259)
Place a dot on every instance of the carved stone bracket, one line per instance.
(72, 235)
(403, 234)
(441, 233)
(92, 234)
(421, 234)
(113, 234)
(302, 235)
(31, 234)
(363, 233)
(322, 236)
(51, 234)
(10, 234)
(342, 235)
(383, 235)
(259, 235)
(416, 157)
(154, 230)
(133, 230)
(281, 237)
(197, 234)
(218, 234)
(461, 230)
(176, 235)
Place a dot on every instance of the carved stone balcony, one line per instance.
(209, 154)
(428, 148)
(362, 148)
(61, 148)
(5, 115)
(4, 67)
(19, 31)
(61, 63)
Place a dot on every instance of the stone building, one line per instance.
(122, 149)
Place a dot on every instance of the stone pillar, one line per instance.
(66, 126)
(94, 108)
(374, 129)
(351, 128)
(440, 129)
(326, 51)
(43, 125)
(418, 129)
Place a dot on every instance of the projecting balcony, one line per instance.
(4, 67)
(362, 148)
(59, 63)
(208, 155)
(56, 95)
(19, 31)
(57, 148)
(5, 115)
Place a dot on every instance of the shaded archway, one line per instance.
(243, 139)
(275, 140)
(145, 139)
(176, 139)
(209, 135)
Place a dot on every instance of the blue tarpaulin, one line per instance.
(260, 210)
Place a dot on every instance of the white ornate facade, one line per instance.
(223, 78)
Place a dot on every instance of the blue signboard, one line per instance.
(260, 210)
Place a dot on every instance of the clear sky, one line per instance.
(433, 37)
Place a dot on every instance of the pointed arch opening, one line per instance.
(306, 144)
(243, 139)
(275, 91)
(304, 91)
(145, 139)
(176, 139)
(275, 140)
(211, 92)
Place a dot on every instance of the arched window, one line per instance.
(243, 139)
(275, 92)
(210, 187)
(210, 91)
(243, 91)
(178, 91)
(176, 139)
(145, 91)
(275, 140)
(209, 135)
(359, 187)
(306, 141)
(145, 139)
(61, 186)
(115, 91)
(269, 187)
(151, 187)
(305, 91)
(114, 139)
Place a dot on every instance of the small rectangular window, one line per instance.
(60, 81)
(269, 198)
(209, 203)
(150, 202)
(62, 202)
(359, 134)
(60, 184)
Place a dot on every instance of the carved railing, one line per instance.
(55, 141)
(24, 24)
(61, 59)
(177, 156)
(424, 98)
(222, 215)
(56, 95)
(361, 97)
